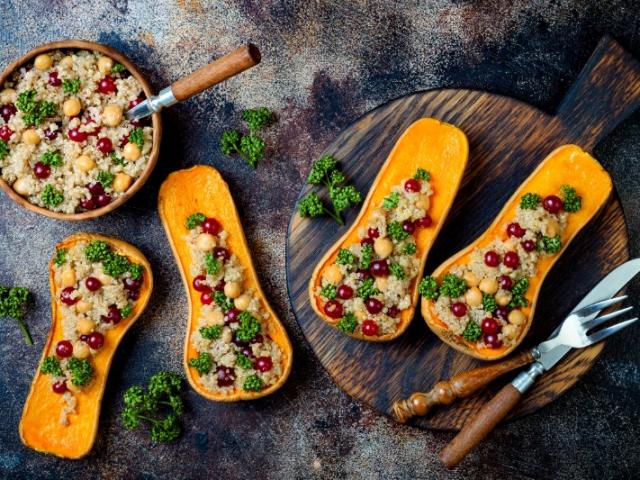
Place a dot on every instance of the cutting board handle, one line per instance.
(606, 92)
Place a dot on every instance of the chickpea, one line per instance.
(85, 326)
(105, 64)
(383, 247)
(232, 289)
(516, 317)
(382, 283)
(68, 277)
(81, 349)
(551, 228)
(423, 202)
(112, 116)
(71, 107)
(473, 297)
(30, 137)
(131, 152)
(43, 62)
(489, 285)
(8, 95)
(503, 299)
(83, 306)
(377, 215)
(361, 315)
(22, 186)
(205, 242)
(84, 163)
(122, 182)
(333, 274)
(66, 62)
(227, 335)
(105, 279)
(471, 279)
(510, 331)
(242, 302)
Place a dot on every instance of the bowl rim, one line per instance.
(155, 119)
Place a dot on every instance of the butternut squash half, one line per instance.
(44, 425)
(422, 174)
(558, 199)
(200, 196)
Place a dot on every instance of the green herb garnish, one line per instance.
(81, 371)
(61, 257)
(51, 197)
(258, 118)
(202, 363)
(52, 158)
(253, 383)
(452, 286)
(409, 249)
(211, 333)
(550, 245)
(422, 174)
(106, 178)
(51, 366)
(126, 310)
(396, 232)
(367, 289)
(212, 264)
(517, 294)
(4, 149)
(243, 361)
(348, 323)
(13, 304)
(530, 201)
(572, 202)
(71, 86)
(137, 136)
(34, 111)
(391, 201)
(223, 301)
(472, 331)
(345, 257)
(118, 68)
(397, 271)
(428, 288)
(194, 220)
(366, 256)
(249, 327)
(488, 303)
(328, 291)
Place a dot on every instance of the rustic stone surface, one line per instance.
(325, 64)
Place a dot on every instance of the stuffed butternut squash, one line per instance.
(99, 287)
(235, 346)
(481, 301)
(366, 285)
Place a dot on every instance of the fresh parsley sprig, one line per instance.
(250, 147)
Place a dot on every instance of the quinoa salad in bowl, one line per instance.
(66, 145)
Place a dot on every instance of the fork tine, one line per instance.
(605, 318)
(598, 306)
(605, 332)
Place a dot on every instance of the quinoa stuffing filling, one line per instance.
(369, 284)
(65, 142)
(234, 349)
(98, 290)
(482, 301)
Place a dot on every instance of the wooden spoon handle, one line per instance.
(478, 427)
(461, 385)
(231, 64)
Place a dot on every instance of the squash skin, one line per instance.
(76, 440)
(441, 149)
(201, 188)
(568, 164)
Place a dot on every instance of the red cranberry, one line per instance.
(515, 230)
(367, 241)
(64, 349)
(221, 253)
(76, 135)
(113, 315)
(333, 309)
(95, 340)
(492, 340)
(200, 284)
(105, 145)
(363, 274)
(264, 364)
(373, 232)
(232, 316)
(258, 339)
(5, 133)
(212, 226)
(95, 188)
(7, 111)
(131, 284)
(248, 352)
(135, 102)
(552, 204)
(206, 298)
(92, 284)
(409, 227)
(41, 171)
(107, 85)
(219, 287)
(84, 338)
(369, 328)
(88, 204)
(505, 282)
(59, 387)
(66, 298)
(124, 140)
(459, 309)
(50, 133)
(379, 268)
(54, 80)
(103, 199)
(393, 311)
(490, 325)
(424, 222)
(491, 259)
(373, 305)
(502, 312)
(133, 295)
(511, 260)
(345, 292)
(412, 185)
(226, 376)
(529, 245)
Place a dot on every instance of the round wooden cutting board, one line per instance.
(508, 139)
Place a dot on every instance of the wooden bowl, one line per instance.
(155, 120)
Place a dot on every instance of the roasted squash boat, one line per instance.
(367, 283)
(481, 301)
(99, 287)
(235, 346)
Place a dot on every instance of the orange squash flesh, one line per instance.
(40, 426)
(202, 189)
(435, 146)
(568, 164)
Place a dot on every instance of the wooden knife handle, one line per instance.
(479, 426)
(231, 64)
(461, 385)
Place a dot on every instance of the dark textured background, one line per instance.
(324, 65)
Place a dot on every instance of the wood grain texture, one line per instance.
(508, 139)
